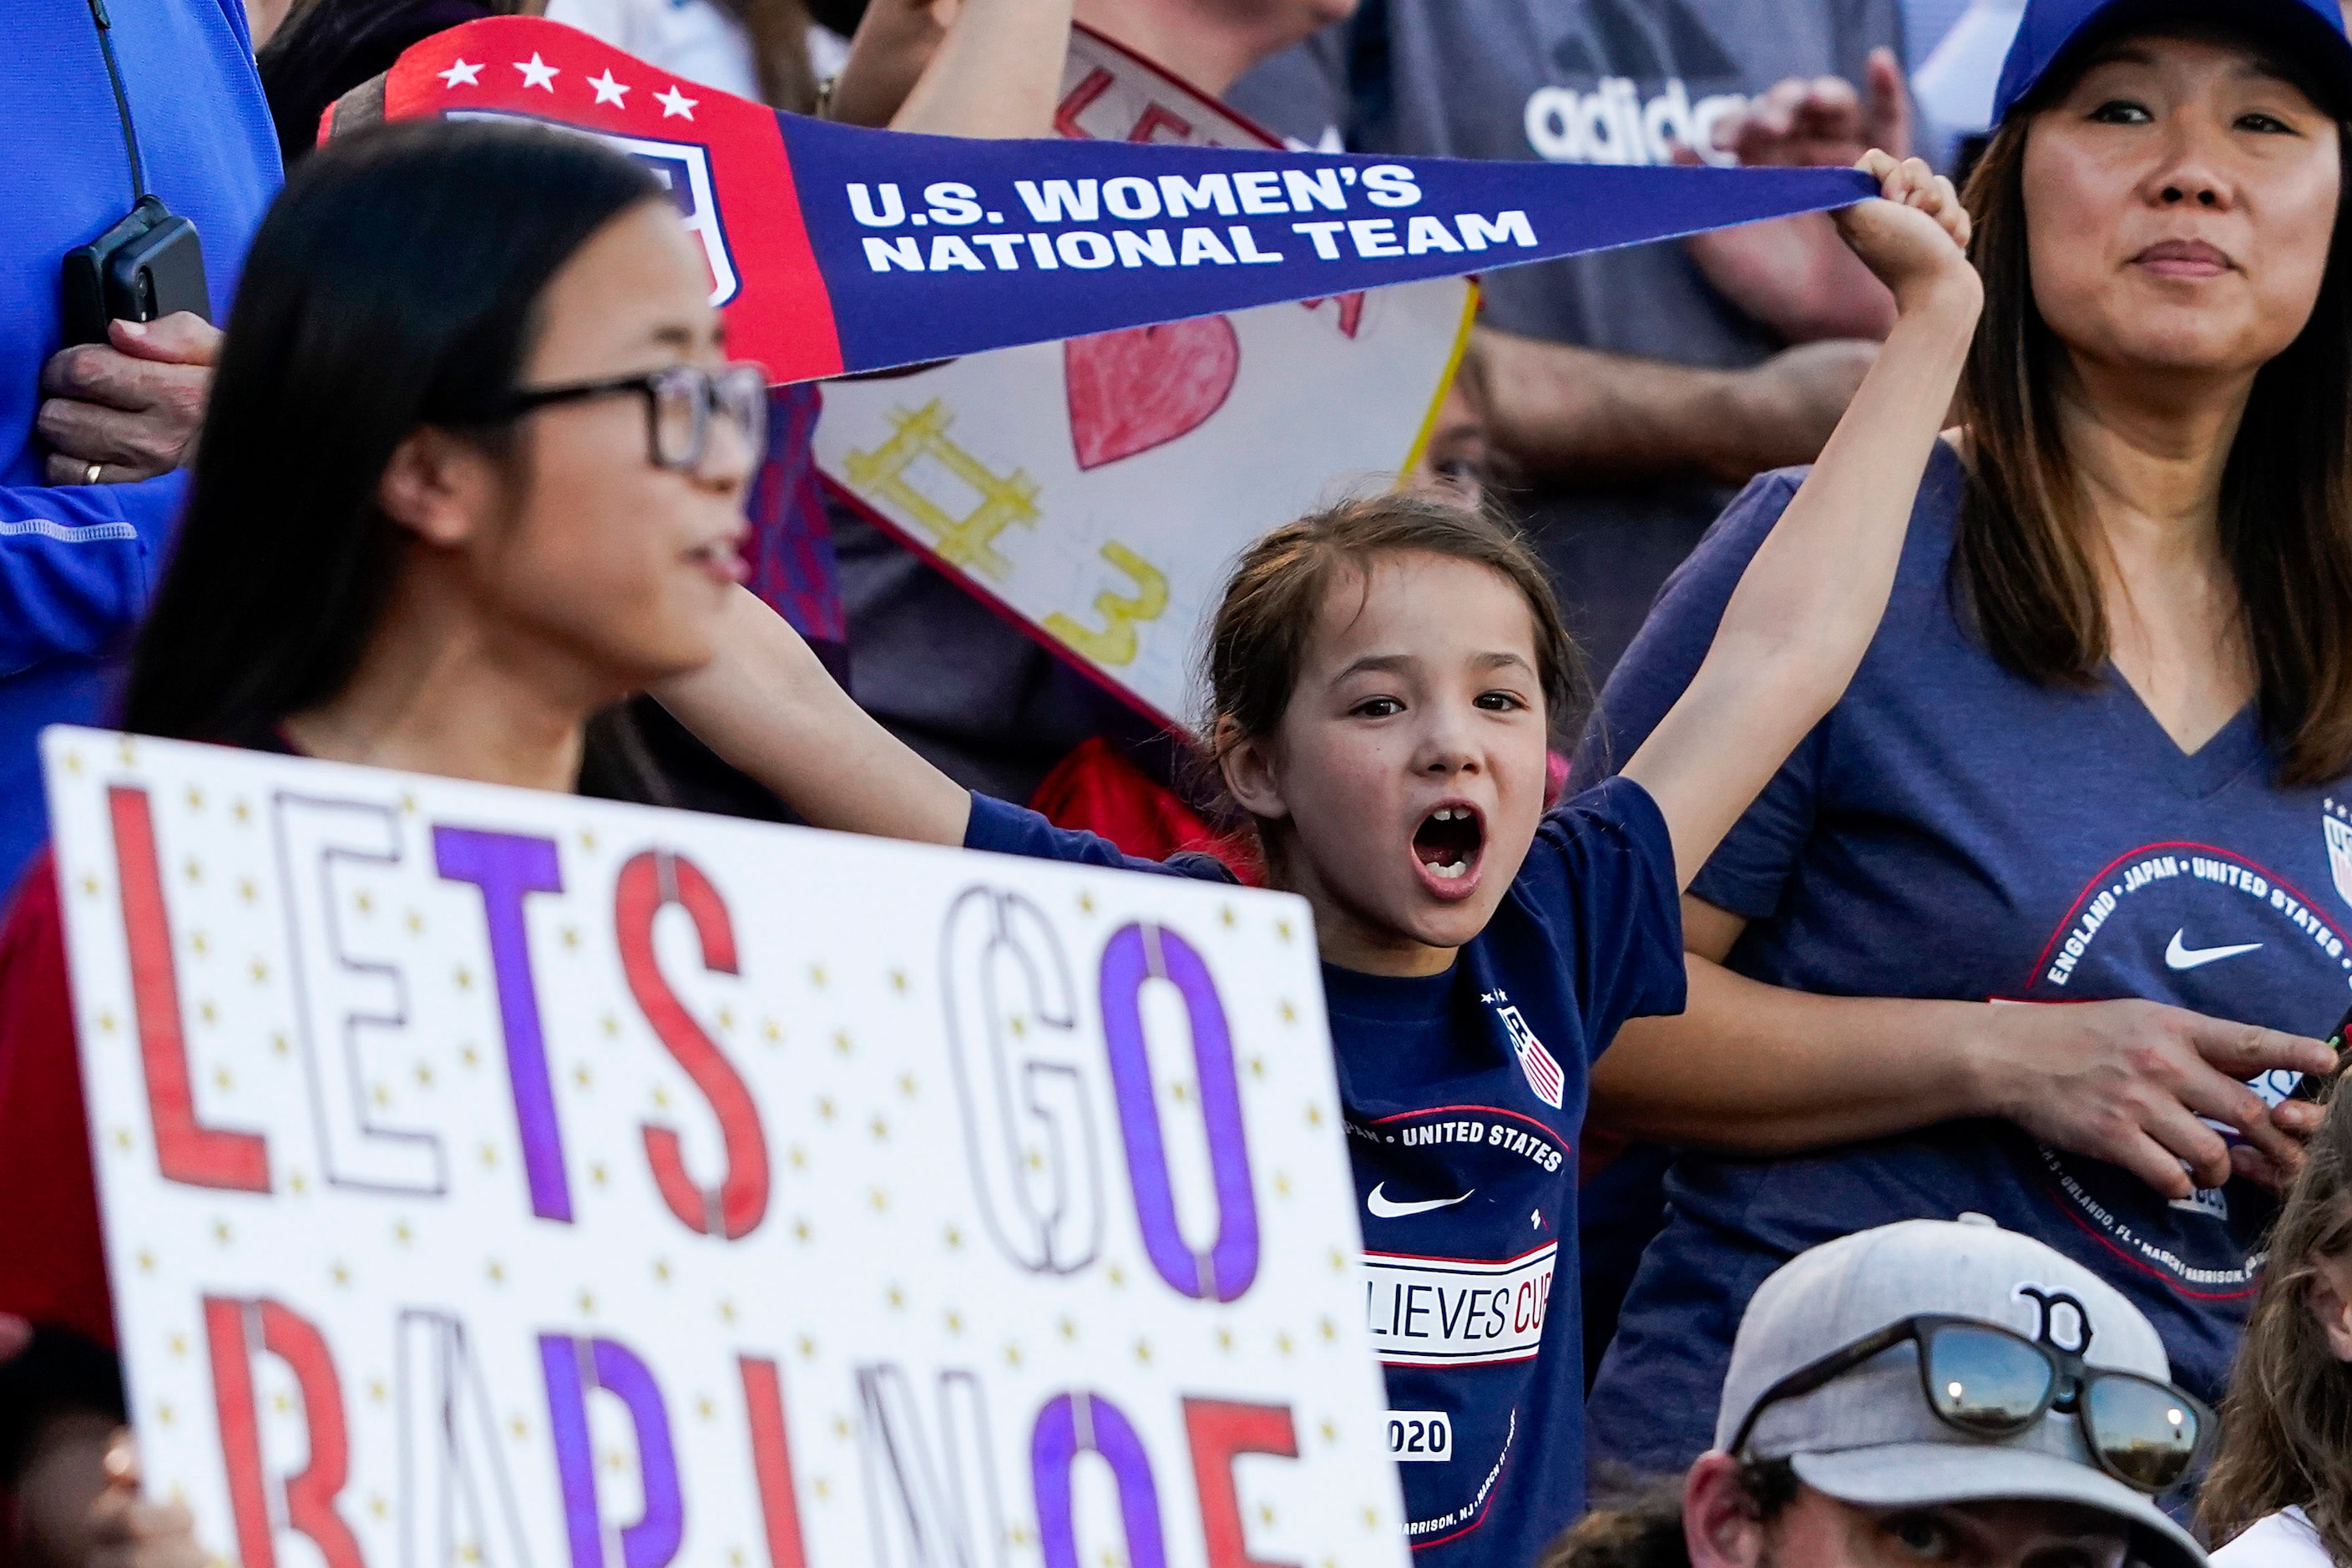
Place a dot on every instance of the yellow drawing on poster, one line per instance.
(968, 541)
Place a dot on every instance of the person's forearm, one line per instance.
(768, 707)
(1570, 415)
(998, 72)
(1750, 1068)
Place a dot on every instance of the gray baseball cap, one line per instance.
(1868, 1437)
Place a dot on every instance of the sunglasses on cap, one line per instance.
(1986, 1381)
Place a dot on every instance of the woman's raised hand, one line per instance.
(1915, 236)
(2132, 1083)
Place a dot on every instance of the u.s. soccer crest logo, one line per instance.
(2335, 822)
(684, 170)
(1542, 1068)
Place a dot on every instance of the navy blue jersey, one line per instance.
(1952, 830)
(1464, 1099)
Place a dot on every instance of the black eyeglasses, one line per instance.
(1990, 1382)
(680, 403)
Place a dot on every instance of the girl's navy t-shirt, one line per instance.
(1952, 830)
(1464, 1099)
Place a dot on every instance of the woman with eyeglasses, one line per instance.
(473, 469)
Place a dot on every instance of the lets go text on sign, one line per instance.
(497, 1177)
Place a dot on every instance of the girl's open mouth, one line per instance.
(1447, 845)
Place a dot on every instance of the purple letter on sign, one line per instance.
(1072, 1424)
(506, 866)
(1140, 952)
(572, 1367)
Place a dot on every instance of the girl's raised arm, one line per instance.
(767, 706)
(1811, 600)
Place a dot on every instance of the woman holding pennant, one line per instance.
(1385, 676)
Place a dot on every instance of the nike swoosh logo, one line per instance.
(2178, 956)
(1388, 1208)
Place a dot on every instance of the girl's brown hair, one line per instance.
(2022, 564)
(1257, 644)
(2286, 1426)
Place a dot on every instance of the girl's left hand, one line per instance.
(1915, 236)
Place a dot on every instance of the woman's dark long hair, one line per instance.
(2021, 562)
(390, 287)
(2287, 1426)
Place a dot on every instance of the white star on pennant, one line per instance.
(538, 73)
(676, 102)
(461, 74)
(607, 89)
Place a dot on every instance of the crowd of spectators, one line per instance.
(1874, 1260)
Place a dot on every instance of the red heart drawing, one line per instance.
(1133, 390)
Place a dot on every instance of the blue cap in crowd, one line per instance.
(2312, 31)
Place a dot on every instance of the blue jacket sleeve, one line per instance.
(1746, 871)
(1007, 829)
(78, 563)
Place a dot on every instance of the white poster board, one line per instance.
(1098, 491)
(497, 1177)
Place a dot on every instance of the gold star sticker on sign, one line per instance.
(1282, 930)
(661, 1270)
(90, 887)
(424, 1075)
(106, 1022)
(123, 1138)
(1068, 1330)
(1314, 1114)
(735, 1557)
(146, 1261)
(1338, 1260)
(1289, 1013)
(1265, 1513)
(1225, 916)
(250, 892)
(130, 757)
(1086, 903)
(1282, 1343)
(661, 1097)
(727, 1019)
(907, 1084)
(800, 1229)
(415, 924)
(221, 1079)
(179, 1343)
(1330, 1433)
(1371, 1518)
(279, 1046)
(496, 1271)
(207, 1012)
(1328, 1329)
(953, 1237)
(816, 975)
(516, 1425)
(896, 1297)
(196, 870)
(877, 1200)
(841, 1041)
(377, 1507)
(470, 1056)
(1115, 1275)
(1281, 1185)
(163, 1413)
(807, 1346)
(610, 1024)
(599, 1173)
(581, 1076)
(220, 1231)
(1224, 1339)
(408, 802)
(570, 937)
(824, 1107)
(1143, 1351)
(282, 1404)
(382, 1095)
(1180, 1091)
(297, 1182)
(195, 798)
(489, 1156)
(1012, 1356)
(340, 1273)
(773, 1030)
(727, 1311)
(898, 981)
(465, 978)
(402, 1234)
(880, 1129)
(797, 1157)
(823, 1490)
(73, 762)
(587, 1304)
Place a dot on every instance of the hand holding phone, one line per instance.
(2315, 1089)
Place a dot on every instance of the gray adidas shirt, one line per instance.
(1612, 82)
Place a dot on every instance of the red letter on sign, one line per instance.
(311, 1495)
(1220, 1430)
(185, 1150)
(734, 1207)
(772, 1462)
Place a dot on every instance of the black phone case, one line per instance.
(148, 264)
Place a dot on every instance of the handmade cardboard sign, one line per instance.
(835, 249)
(1096, 490)
(498, 1177)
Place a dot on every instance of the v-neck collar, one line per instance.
(2224, 757)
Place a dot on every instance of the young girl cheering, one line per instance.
(2281, 1490)
(1384, 678)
